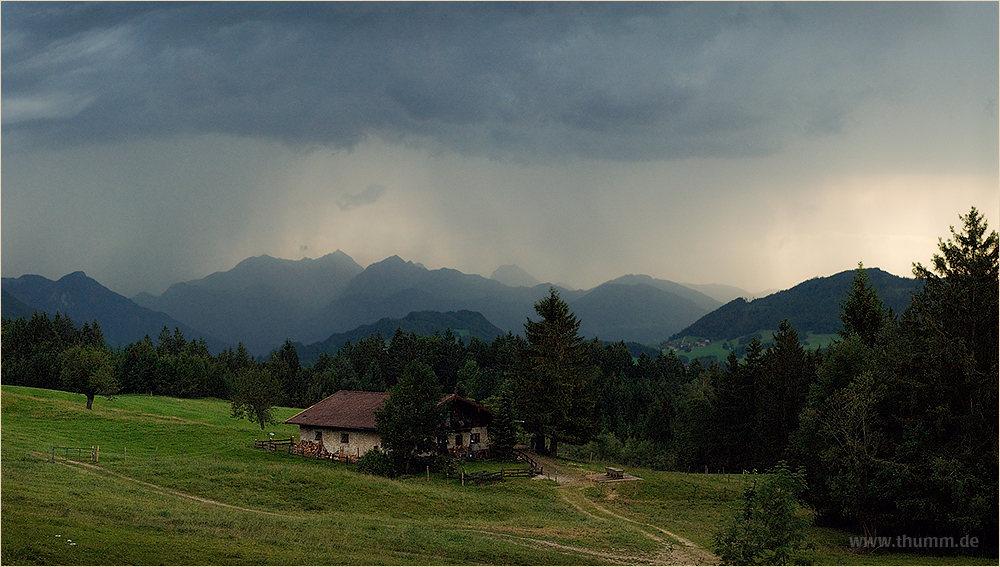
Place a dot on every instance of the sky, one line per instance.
(748, 144)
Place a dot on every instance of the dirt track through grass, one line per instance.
(89, 467)
(674, 549)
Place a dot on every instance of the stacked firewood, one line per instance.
(311, 449)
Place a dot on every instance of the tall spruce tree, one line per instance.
(781, 394)
(555, 387)
(951, 333)
(862, 312)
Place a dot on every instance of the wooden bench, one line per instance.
(614, 473)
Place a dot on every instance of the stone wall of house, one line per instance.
(467, 437)
(357, 442)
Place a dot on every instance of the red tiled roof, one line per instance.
(344, 409)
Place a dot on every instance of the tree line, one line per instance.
(895, 424)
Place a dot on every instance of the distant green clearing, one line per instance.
(179, 482)
(720, 349)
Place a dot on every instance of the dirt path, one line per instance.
(674, 550)
(90, 467)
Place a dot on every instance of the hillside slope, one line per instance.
(813, 305)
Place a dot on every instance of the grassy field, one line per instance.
(179, 482)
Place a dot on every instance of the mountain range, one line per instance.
(321, 303)
(264, 300)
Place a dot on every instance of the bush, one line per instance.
(766, 529)
(376, 463)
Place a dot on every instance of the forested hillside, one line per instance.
(464, 325)
(813, 305)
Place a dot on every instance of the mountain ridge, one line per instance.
(812, 305)
(261, 301)
(84, 299)
(513, 276)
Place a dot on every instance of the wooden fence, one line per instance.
(316, 450)
(275, 444)
(94, 451)
(485, 477)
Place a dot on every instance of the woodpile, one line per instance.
(316, 450)
(311, 449)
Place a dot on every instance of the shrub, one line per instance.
(376, 463)
(766, 529)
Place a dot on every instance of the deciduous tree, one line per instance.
(87, 370)
(255, 391)
(408, 422)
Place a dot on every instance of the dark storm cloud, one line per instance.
(530, 81)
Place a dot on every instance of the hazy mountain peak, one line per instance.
(703, 300)
(513, 276)
(77, 275)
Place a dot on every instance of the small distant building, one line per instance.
(345, 423)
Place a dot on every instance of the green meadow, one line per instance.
(718, 350)
(179, 482)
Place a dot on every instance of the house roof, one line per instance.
(344, 409)
(452, 398)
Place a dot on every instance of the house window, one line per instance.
(319, 435)
(458, 440)
(345, 438)
(473, 438)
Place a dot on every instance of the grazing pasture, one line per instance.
(179, 482)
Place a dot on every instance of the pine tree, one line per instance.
(556, 394)
(862, 313)
(951, 333)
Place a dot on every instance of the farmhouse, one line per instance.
(345, 423)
